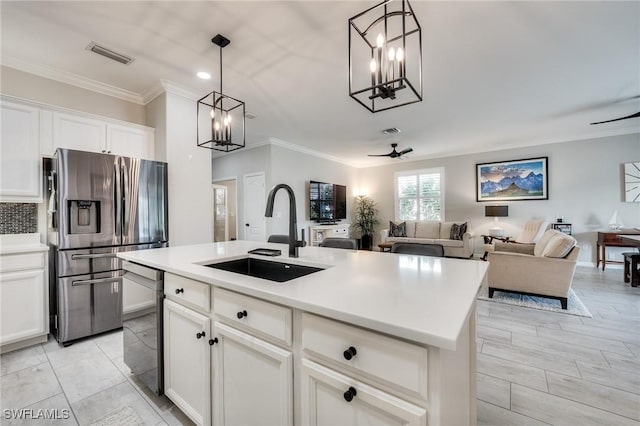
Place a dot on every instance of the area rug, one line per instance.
(125, 416)
(574, 304)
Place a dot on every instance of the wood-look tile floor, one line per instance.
(534, 367)
(537, 367)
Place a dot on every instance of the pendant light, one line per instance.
(385, 56)
(220, 117)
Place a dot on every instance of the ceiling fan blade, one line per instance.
(637, 114)
(405, 151)
(379, 155)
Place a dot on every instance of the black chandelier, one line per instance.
(220, 117)
(385, 56)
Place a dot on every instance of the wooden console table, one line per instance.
(610, 239)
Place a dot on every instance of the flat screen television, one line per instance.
(327, 202)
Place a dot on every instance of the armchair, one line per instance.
(530, 234)
(531, 269)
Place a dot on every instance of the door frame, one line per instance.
(244, 202)
(215, 183)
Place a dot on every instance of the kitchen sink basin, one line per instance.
(265, 269)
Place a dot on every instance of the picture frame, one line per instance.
(632, 182)
(565, 228)
(513, 180)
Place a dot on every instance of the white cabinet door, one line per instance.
(20, 164)
(23, 305)
(253, 380)
(330, 398)
(130, 141)
(187, 361)
(77, 132)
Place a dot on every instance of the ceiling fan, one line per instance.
(636, 115)
(394, 153)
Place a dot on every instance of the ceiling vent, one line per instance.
(390, 131)
(250, 115)
(108, 53)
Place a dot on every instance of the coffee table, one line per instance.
(385, 247)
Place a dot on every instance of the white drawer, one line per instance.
(253, 314)
(22, 262)
(384, 358)
(188, 292)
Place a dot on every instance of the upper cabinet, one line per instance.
(20, 164)
(89, 134)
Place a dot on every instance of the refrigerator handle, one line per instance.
(125, 206)
(117, 199)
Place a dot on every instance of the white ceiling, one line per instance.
(496, 74)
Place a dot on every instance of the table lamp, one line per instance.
(495, 212)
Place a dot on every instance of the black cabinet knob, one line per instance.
(200, 335)
(350, 393)
(349, 353)
(213, 341)
(179, 290)
(242, 314)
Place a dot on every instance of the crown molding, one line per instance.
(166, 86)
(73, 80)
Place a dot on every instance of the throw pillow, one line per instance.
(428, 229)
(559, 246)
(457, 231)
(397, 230)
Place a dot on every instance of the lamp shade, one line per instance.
(496, 211)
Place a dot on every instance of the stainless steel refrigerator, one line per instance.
(98, 205)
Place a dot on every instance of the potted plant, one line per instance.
(365, 220)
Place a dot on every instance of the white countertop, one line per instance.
(21, 243)
(419, 298)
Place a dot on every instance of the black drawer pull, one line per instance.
(179, 290)
(213, 341)
(242, 314)
(200, 335)
(349, 353)
(350, 393)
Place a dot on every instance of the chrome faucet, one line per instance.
(293, 228)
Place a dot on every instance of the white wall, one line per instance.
(296, 169)
(282, 165)
(32, 87)
(585, 186)
(238, 164)
(190, 195)
(156, 117)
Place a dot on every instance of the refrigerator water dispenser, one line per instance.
(84, 216)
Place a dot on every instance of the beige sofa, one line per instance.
(541, 269)
(430, 232)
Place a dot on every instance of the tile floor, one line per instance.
(534, 367)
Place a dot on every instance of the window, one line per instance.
(420, 194)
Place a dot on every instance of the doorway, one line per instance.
(254, 205)
(224, 210)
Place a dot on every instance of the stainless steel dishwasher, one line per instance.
(143, 295)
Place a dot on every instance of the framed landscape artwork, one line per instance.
(513, 180)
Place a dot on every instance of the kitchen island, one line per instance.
(371, 338)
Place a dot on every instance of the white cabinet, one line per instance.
(20, 164)
(78, 132)
(89, 134)
(320, 232)
(330, 398)
(130, 141)
(253, 380)
(24, 300)
(187, 361)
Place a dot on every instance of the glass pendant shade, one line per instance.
(385, 56)
(220, 117)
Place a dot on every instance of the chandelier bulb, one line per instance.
(392, 54)
(400, 54)
(213, 114)
(380, 40)
(373, 65)
(216, 126)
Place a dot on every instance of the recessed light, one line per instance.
(204, 75)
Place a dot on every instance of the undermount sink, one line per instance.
(265, 269)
